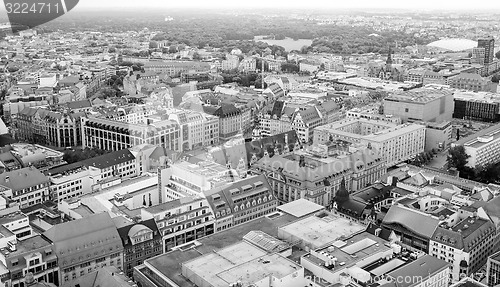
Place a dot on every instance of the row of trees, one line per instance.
(76, 155)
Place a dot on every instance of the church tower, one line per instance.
(388, 62)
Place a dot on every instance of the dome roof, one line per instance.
(455, 45)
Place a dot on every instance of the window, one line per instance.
(406, 110)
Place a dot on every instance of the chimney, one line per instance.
(394, 181)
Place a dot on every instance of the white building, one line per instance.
(198, 129)
(396, 143)
(482, 147)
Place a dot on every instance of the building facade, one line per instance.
(84, 245)
(116, 135)
(181, 221)
(140, 242)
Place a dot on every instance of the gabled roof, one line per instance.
(127, 230)
(413, 220)
(22, 178)
(84, 239)
(309, 115)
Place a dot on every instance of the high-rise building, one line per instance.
(488, 43)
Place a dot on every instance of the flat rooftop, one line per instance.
(210, 266)
(260, 268)
(350, 251)
(319, 231)
(300, 207)
(483, 97)
(419, 96)
(481, 138)
(169, 264)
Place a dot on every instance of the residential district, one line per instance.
(157, 171)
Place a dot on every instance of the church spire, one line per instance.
(389, 57)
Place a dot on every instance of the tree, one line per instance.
(497, 54)
(495, 78)
(112, 50)
(458, 158)
(196, 56)
(153, 45)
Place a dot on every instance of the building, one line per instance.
(437, 135)
(174, 69)
(493, 269)
(84, 245)
(488, 43)
(108, 276)
(80, 178)
(27, 186)
(424, 271)
(116, 135)
(477, 106)
(57, 126)
(185, 179)
(482, 147)
(304, 174)
(181, 221)
(34, 255)
(16, 224)
(413, 228)
(230, 119)
(164, 270)
(140, 242)
(466, 245)
(468, 81)
(396, 143)
(478, 56)
(428, 105)
(198, 129)
(241, 201)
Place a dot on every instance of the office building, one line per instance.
(482, 147)
(181, 221)
(425, 104)
(480, 106)
(488, 43)
(115, 135)
(395, 143)
(316, 177)
(49, 126)
(84, 245)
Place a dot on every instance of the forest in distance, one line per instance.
(228, 31)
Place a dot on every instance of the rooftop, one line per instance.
(169, 264)
(419, 96)
(300, 207)
(422, 267)
(319, 231)
(481, 138)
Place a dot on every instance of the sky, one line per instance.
(331, 4)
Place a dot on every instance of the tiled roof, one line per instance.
(84, 239)
(22, 178)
